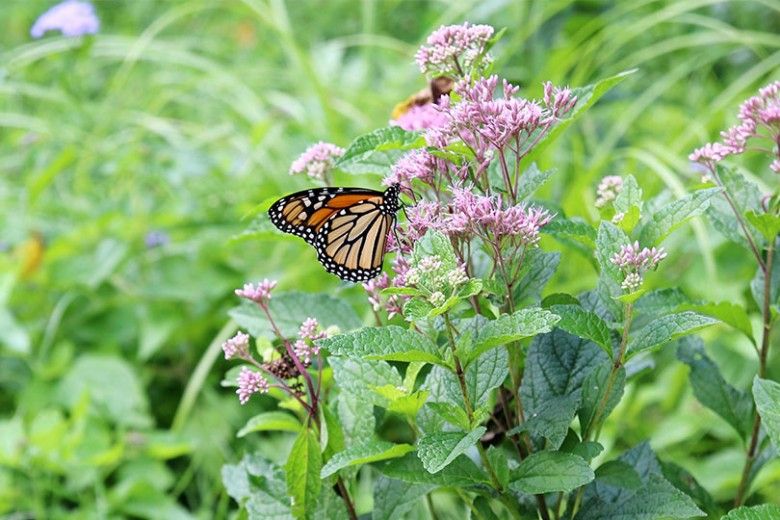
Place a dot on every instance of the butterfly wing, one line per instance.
(351, 244)
(305, 212)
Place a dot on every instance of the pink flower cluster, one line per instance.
(454, 49)
(250, 382)
(417, 164)
(390, 304)
(317, 160)
(71, 18)
(634, 262)
(608, 189)
(420, 117)
(259, 293)
(759, 118)
(237, 346)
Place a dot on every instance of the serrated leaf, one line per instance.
(452, 413)
(377, 151)
(594, 388)
(532, 179)
(435, 243)
(539, 266)
(709, 387)
(767, 396)
(761, 512)
(391, 343)
(303, 474)
(571, 229)
(685, 482)
(262, 484)
(394, 498)
(417, 309)
(665, 329)
(508, 328)
(664, 221)
(437, 450)
(766, 223)
(500, 463)
(619, 474)
(550, 471)
(727, 312)
(359, 377)
(585, 324)
(364, 453)
(552, 418)
(460, 472)
(402, 402)
(270, 421)
(356, 415)
(291, 309)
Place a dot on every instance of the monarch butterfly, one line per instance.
(347, 226)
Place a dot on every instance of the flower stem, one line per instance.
(762, 358)
(346, 498)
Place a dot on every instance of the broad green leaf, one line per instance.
(331, 433)
(556, 365)
(500, 463)
(437, 450)
(574, 229)
(481, 506)
(303, 474)
(552, 418)
(400, 401)
(359, 377)
(727, 312)
(394, 498)
(550, 471)
(330, 505)
(766, 223)
(460, 472)
(665, 329)
(508, 328)
(761, 512)
(434, 243)
(657, 498)
(377, 151)
(537, 269)
(709, 387)
(356, 415)
(660, 302)
(291, 309)
(686, 483)
(594, 388)
(586, 97)
(364, 453)
(585, 324)
(452, 413)
(608, 242)
(619, 474)
(630, 196)
(664, 221)
(417, 309)
(767, 396)
(270, 421)
(391, 343)
(532, 179)
(260, 485)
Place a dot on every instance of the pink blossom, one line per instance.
(453, 49)
(259, 293)
(250, 382)
(71, 18)
(305, 351)
(310, 329)
(608, 189)
(420, 117)
(317, 160)
(631, 257)
(775, 166)
(237, 346)
(417, 164)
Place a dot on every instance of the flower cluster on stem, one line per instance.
(634, 262)
(317, 161)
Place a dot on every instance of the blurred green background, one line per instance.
(132, 162)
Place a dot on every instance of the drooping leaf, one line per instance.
(391, 343)
(550, 471)
(709, 387)
(767, 396)
(303, 474)
(665, 329)
(364, 453)
(664, 221)
(594, 388)
(437, 450)
(270, 421)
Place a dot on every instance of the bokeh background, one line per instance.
(133, 162)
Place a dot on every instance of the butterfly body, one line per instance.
(347, 226)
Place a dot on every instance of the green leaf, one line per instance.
(767, 396)
(665, 329)
(270, 421)
(537, 269)
(13, 336)
(303, 474)
(364, 453)
(767, 224)
(552, 418)
(757, 288)
(434, 243)
(608, 242)
(359, 377)
(417, 309)
(746, 196)
(260, 485)
(674, 215)
(686, 483)
(594, 388)
(291, 309)
(532, 179)
(575, 229)
(630, 195)
(437, 450)
(400, 401)
(586, 97)
(657, 498)
(377, 151)
(452, 413)
(619, 474)
(356, 415)
(727, 312)
(500, 463)
(391, 343)
(335, 434)
(394, 498)
(709, 387)
(585, 324)
(461, 472)
(508, 328)
(761, 512)
(550, 471)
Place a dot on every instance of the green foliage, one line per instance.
(376, 152)
(549, 471)
(762, 512)
(303, 474)
(391, 343)
(438, 450)
(369, 451)
(767, 396)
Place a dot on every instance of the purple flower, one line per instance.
(317, 160)
(250, 382)
(521, 222)
(305, 351)
(454, 49)
(608, 189)
(259, 293)
(237, 346)
(310, 329)
(417, 164)
(420, 117)
(634, 262)
(71, 18)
